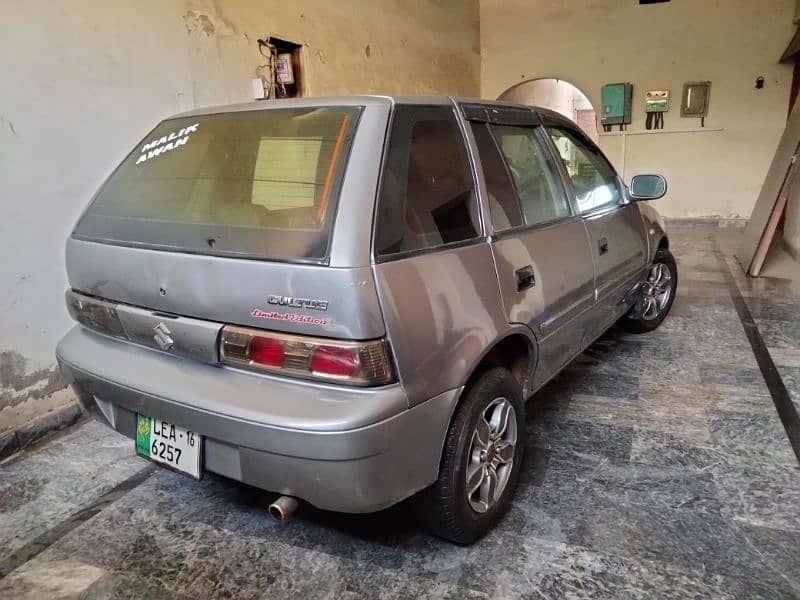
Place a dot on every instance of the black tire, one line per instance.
(444, 508)
(634, 322)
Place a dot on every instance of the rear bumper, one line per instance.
(343, 449)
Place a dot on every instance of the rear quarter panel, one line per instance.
(442, 311)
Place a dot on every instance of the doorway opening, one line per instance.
(558, 95)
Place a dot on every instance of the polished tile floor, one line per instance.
(658, 467)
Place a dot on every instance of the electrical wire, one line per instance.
(264, 71)
(654, 120)
(276, 87)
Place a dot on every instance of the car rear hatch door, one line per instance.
(259, 218)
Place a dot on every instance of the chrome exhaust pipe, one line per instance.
(283, 508)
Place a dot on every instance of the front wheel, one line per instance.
(481, 460)
(657, 295)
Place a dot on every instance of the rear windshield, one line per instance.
(259, 183)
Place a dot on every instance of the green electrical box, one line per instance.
(616, 103)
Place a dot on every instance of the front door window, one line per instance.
(593, 178)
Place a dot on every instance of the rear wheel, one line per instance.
(481, 460)
(658, 294)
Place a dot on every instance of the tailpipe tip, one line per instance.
(283, 508)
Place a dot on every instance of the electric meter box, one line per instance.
(694, 102)
(285, 69)
(656, 101)
(615, 99)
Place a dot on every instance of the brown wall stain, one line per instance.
(18, 385)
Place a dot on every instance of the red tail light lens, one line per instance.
(334, 361)
(266, 351)
(354, 363)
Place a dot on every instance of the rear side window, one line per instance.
(257, 183)
(534, 172)
(428, 196)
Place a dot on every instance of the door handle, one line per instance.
(602, 245)
(525, 278)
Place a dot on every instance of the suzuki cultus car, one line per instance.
(348, 301)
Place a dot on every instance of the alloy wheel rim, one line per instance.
(657, 291)
(491, 454)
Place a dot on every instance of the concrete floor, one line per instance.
(658, 466)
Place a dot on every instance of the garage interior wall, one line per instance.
(83, 81)
(715, 171)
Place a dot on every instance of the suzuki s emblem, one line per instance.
(162, 337)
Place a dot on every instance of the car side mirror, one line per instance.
(647, 187)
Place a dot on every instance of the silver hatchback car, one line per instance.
(349, 300)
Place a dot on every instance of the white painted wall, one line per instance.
(83, 81)
(717, 171)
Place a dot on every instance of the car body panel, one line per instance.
(563, 292)
(617, 269)
(450, 330)
(228, 290)
(338, 448)
(620, 231)
(244, 396)
(655, 227)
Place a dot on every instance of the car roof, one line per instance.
(367, 100)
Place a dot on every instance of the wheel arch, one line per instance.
(516, 349)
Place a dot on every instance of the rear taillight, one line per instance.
(353, 363)
(94, 313)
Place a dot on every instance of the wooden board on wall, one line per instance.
(763, 212)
